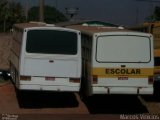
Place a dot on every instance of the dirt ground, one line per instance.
(44, 106)
(68, 106)
(39, 103)
(5, 43)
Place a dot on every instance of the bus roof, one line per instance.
(96, 29)
(28, 25)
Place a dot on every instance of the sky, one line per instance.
(120, 12)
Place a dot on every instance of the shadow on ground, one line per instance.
(115, 104)
(156, 96)
(39, 99)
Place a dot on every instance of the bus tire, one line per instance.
(157, 89)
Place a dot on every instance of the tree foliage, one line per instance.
(3, 3)
(51, 15)
(155, 16)
(10, 13)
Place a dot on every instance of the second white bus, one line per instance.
(116, 61)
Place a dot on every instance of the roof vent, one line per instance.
(85, 24)
(50, 25)
(120, 28)
(39, 23)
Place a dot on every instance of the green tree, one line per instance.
(51, 15)
(3, 4)
(17, 13)
(155, 16)
(6, 14)
(10, 13)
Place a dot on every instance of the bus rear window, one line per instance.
(123, 49)
(51, 42)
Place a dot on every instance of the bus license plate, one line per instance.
(122, 78)
(50, 78)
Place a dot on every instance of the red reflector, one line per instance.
(122, 78)
(25, 78)
(50, 78)
(157, 72)
(150, 80)
(74, 80)
(95, 79)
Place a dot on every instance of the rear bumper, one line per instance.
(123, 90)
(49, 88)
(40, 84)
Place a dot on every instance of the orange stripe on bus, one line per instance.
(134, 72)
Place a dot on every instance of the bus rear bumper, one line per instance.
(123, 90)
(57, 88)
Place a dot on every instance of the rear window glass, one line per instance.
(123, 48)
(51, 42)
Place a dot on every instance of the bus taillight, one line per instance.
(150, 80)
(74, 80)
(95, 79)
(26, 78)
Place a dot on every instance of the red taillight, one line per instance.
(95, 79)
(74, 80)
(157, 72)
(27, 78)
(150, 80)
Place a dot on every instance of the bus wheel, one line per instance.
(82, 90)
(157, 90)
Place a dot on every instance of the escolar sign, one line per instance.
(123, 71)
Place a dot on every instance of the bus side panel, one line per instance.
(15, 55)
(86, 64)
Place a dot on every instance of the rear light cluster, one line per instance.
(95, 79)
(157, 72)
(74, 80)
(26, 78)
(150, 80)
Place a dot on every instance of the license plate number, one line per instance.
(122, 78)
(50, 78)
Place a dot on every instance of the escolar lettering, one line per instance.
(123, 71)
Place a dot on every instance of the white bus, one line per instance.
(116, 61)
(45, 58)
